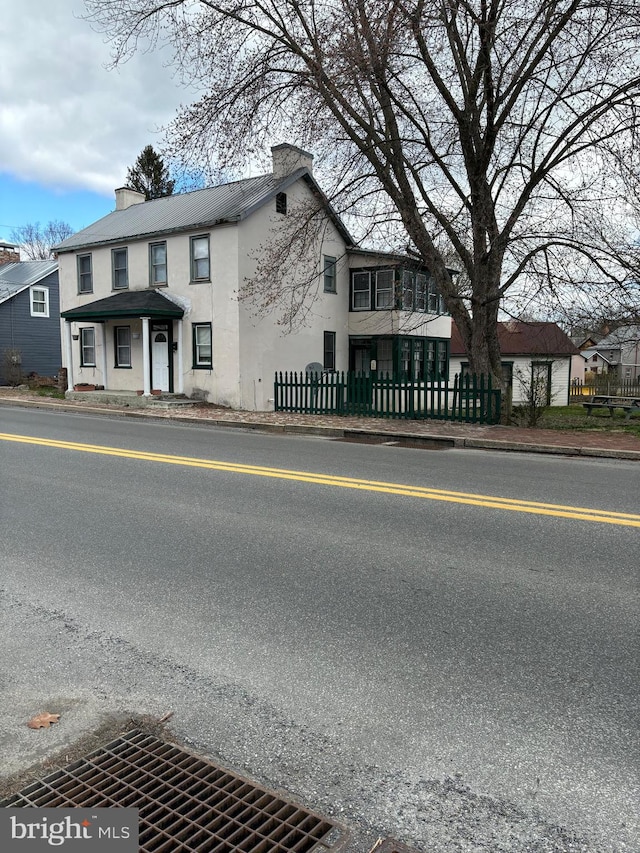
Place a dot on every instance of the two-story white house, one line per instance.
(152, 295)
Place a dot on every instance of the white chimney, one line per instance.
(287, 158)
(125, 197)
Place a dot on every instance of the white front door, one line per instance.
(159, 361)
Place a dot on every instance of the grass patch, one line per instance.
(575, 418)
(45, 391)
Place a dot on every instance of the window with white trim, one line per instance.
(122, 346)
(85, 274)
(157, 264)
(39, 301)
(361, 291)
(200, 267)
(329, 274)
(202, 346)
(119, 269)
(88, 347)
(384, 286)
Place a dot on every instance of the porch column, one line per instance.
(68, 348)
(180, 371)
(146, 365)
(103, 359)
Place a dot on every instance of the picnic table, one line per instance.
(630, 405)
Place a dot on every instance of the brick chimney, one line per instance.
(9, 253)
(126, 197)
(287, 158)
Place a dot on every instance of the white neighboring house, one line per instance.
(526, 347)
(150, 295)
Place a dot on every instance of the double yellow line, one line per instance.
(488, 501)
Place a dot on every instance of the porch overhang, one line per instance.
(132, 303)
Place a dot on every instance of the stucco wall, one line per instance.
(267, 346)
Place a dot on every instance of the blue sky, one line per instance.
(70, 128)
(24, 201)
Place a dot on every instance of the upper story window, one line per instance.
(85, 274)
(361, 291)
(385, 289)
(157, 264)
(281, 203)
(384, 284)
(39, 299)
(372, 288)
(119, 269)
(329, 274)
(200, 266)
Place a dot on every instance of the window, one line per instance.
(431, 359)
(329, 360)
(442, 360)
(157, 264)
(329, 274)
(384, 289)
(421, 292)
(408, 284)
(202, 346)
(39, 301)
(85, 274)
(120, 274)
(87, 347)
(281, 203)
(432, 306)
(200, 258)
(122, 346)
(361, 291)
(384, 356)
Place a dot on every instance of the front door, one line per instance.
(160, 360)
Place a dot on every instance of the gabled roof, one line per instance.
(131, 303)
(205, 208)
(520, 338)
(17, 276)
(623, 335)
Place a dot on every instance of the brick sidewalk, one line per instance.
(592, 442)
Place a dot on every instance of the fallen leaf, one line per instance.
(43, 721)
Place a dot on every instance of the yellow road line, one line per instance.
(489, 501)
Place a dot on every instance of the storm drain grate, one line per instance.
(185, 802)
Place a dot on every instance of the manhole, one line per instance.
(185, 802)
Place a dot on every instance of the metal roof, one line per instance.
(189, 211)
(131, 303)
(19, 275)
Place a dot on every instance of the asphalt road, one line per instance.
(456, 673)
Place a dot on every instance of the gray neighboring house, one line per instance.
(29, 320)
(618, 353)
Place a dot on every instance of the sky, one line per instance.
(70, 128)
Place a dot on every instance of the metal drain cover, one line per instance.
(185, 802)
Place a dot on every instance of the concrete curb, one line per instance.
(451, 441)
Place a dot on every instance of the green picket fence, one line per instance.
(470, 399)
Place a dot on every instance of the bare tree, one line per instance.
(37, 241)
(485, 125)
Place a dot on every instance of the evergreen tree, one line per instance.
(149, 175)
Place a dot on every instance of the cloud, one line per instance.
(65, 121)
